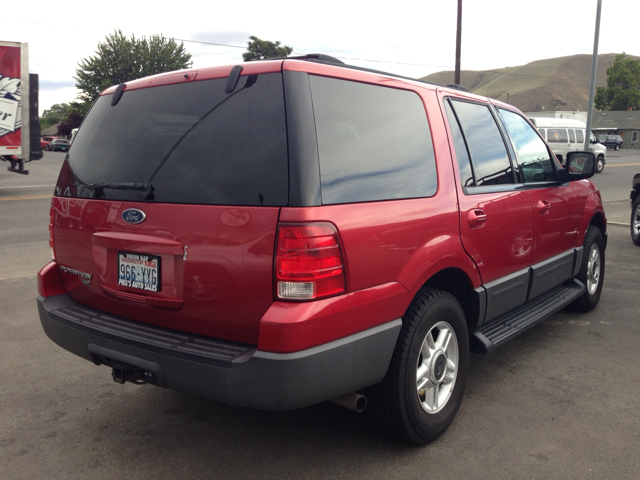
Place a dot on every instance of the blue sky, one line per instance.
(405, 37)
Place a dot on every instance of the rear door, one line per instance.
(167, 205)
(495, 211)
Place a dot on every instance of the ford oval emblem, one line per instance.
(133, 216)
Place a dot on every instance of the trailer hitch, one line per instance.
(122, 373)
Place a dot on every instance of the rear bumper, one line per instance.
(229, 372)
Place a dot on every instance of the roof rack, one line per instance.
(320, 58)
(329, 60)
(458, 87)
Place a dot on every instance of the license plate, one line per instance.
(140, 271)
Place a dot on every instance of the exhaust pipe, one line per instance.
(352, 401)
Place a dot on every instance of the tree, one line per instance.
(261, 49)
(623, 86)
(119, 59)
(73, 120)
(54, 114)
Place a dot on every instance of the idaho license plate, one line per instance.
(140, 271)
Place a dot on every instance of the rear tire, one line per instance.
(635, 221)
(422, 391)
(592, 270)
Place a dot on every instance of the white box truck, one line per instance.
(19, 126)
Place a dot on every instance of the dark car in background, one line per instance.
(611, 141)
(58, 145)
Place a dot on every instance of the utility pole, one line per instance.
(594, 68)
(458, 42)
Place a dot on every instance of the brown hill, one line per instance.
(552, 84)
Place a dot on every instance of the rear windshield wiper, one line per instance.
(99, 188)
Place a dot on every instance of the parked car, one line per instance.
(610, 141)
(44, 141)
(58, 145)
(280, 233)
(635, 209)
(567, 135)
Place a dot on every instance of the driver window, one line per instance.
(534, 161)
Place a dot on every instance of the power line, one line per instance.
(360, 59)
(306, 53)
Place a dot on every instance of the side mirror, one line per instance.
(579, 166)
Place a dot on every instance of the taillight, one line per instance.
(51, 244)
(49, 282)
(309, 262)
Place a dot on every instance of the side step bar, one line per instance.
(501, 330)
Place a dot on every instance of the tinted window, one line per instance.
(572, 137)
(193, 142)
(462, 155)
(374, 142)
(557, 135)
(534, 160)
(489, 156)
(580, 136)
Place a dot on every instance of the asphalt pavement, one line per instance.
(560, 401)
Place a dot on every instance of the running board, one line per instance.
(501, 330)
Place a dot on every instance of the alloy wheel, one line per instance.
(437, 367)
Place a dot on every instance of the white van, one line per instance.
(567, 135)
(73, 135)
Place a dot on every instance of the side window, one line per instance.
(580, 136)
(374, 143)
(572, 137)
(541, 130)
(634, 136)
(464, 164)
(534, 161)
(491, 164)
(557, 135)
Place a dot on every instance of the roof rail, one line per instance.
(458, 87)
(321, 58)
(329, 60)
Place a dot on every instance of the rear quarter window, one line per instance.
(374, 143)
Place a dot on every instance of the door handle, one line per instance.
(477, 218)
(543, 207)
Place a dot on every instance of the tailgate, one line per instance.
(208, 272)
(169, 200)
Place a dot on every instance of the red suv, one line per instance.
(285, 232)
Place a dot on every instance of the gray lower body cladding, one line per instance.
(229, 372)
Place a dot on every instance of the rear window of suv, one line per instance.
(374, 143)
(192, 142)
